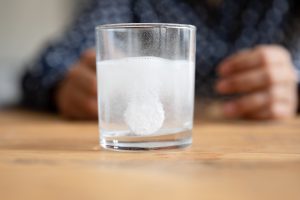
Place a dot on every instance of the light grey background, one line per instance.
(25, 25)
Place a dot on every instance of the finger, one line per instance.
(276, 111)
(260, 56)
(82, 106)
(243, 60)
(272, 54)
(246, 104)
(65, 102)
(74, 104)
(277, 102)
(245, 82)
(261, 115)
(253, 80)
(84, 80)
(88, 59)
(71, 113)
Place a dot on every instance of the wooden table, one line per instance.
(45, 157)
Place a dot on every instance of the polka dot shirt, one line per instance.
(223, 28)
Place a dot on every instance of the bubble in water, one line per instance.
(139, 95)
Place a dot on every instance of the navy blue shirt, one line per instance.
(222, 29)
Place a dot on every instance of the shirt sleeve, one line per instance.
(49, 68)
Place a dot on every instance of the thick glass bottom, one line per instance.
(144, 143)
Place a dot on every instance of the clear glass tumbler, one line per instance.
(146, 78)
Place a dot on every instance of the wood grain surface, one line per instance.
(45, 157)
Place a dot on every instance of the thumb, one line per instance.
(88, 58)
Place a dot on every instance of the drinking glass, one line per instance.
(146, 78)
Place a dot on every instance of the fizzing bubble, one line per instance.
(145, 96)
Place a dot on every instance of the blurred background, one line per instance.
(25, 26)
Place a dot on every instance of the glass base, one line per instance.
(145, 143)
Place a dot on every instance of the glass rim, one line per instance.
(145, 25)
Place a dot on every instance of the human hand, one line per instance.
(76, 96)
(266, 80)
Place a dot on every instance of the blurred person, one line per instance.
(247, 49)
